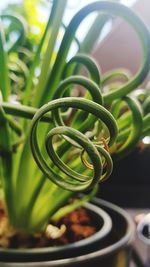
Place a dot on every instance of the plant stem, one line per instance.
(54, 26)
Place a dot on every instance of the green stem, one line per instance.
(54, 26)
(116, 9)
(21, 27)
(23, 111)
(75, 205)
(94, 33)
(4, 72)
(135, 131)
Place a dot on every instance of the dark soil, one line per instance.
(78, 226)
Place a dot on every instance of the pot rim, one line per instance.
(99, 235)
(110, 249)
(125, 240)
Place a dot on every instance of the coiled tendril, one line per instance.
(19, 26)
(88, 111)
(99, 156)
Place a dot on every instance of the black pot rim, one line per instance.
(99, 235)
(126, 239)
(110, 249)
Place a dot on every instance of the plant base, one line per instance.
(112, 251)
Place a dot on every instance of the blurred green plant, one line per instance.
(31, 12)
(74, 131)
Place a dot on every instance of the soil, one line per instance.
(76, 226)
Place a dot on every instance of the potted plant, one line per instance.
(51, 128)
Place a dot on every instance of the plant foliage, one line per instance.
(56, 123)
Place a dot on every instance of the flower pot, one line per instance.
(109, 247)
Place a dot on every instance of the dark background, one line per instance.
(129, 184)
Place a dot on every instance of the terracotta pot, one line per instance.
(109, 247)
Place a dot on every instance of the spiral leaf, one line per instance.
(20, 26)
(72, 180)
(86, 61)
(103, 7)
